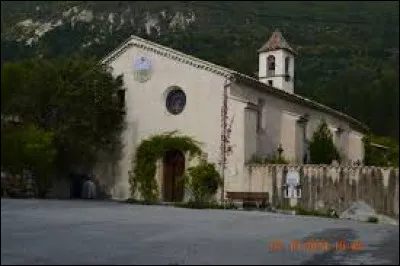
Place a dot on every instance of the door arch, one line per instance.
(173, 171)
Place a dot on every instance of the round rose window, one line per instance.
(176, 101)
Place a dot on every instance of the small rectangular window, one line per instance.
(270, 83)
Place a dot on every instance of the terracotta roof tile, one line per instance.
(275, 42)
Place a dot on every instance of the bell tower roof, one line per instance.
(276, 42)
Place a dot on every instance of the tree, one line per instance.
(380, 157)
(74, 99)
(39, 154)
(11, 150)
(29, 148)
(322, 148)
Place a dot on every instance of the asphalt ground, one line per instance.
(104, 232)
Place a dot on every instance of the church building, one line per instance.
(236, 117)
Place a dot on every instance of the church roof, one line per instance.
(227, 73)
(254, 83)
(276, 42)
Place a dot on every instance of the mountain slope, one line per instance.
(348, 51)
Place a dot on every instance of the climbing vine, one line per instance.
(142, 179)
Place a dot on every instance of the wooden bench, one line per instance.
(259, 198)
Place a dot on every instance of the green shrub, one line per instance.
(274, 159)
(302, 211)
(203, 181)
(199, 205)
(204, 205)
(255, 159)
(13, 187)
(373, 219)
(141, 202)
(131, 200)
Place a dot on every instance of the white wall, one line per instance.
(146, 109)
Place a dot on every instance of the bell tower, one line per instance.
(276, 63)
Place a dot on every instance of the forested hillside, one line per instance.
(348, 52)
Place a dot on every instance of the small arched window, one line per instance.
(271, 66)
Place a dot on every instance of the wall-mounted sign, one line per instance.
(293, 178)
(142, 69)
(292, 187)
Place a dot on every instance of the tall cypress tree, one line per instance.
(322, 148)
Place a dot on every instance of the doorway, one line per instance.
(173, 171)
(77, 181)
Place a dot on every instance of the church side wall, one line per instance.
(279, 126)
(146, 108)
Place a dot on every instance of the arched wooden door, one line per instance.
(174, 168)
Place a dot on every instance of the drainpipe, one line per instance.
(224, 113)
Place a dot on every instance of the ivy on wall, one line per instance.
(142, 179)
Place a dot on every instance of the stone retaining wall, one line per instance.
(325, 186)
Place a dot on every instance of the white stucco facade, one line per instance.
(203, 84)
(146, 112)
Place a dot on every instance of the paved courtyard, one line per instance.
(93, 232)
